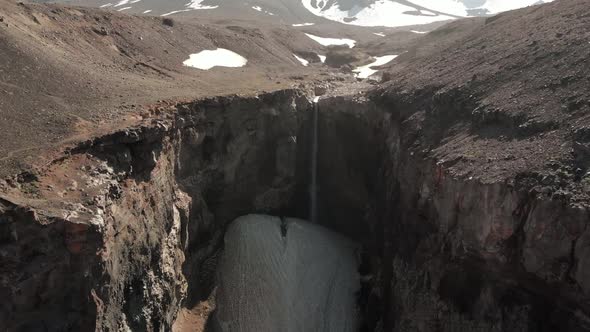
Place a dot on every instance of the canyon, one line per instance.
(128, 228)
(448, 193)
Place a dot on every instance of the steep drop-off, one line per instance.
(126, 229)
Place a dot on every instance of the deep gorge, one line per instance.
(128, 228)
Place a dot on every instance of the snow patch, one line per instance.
(303, 24)
(366, 71)
(420, 32)
(176, 11)
(196, 4)
(106, 5)
(122, 9)
(220, 57)
(121, 3)
(332, 41)
(259, 9)
(147, 11)
(125, 2)
(381, 13)
(497, 6)
(302, 60)
(322, 58)
(451, 7)
(380, 34)
(394, 13)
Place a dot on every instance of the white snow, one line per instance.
(147, 11)
(106, 5)
(304, 280)
(192, 5)
(121, 3)
(381, 13)
(122, 9)
(125, 2)
(420, 32)
(176, 11)
(196, 4)
(220, 57)
(332, 41)
(316, 99)
(302, 60)
(497, 6)
(259, 9)
(303, 24)
(391, 13)
(322, 58)
(451, 7)
(366, 71)
(380, 34)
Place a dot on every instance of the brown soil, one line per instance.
(195, 319)
(501, 97)
(67, 73)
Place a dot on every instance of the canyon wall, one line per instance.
(126, 228)
(451, 251)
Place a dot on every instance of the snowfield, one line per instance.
(332, 41)
(391, 13)
(302, 60)
(498, 6)
(366, 71)
(381, 13)
(196, 4)
(220, 57)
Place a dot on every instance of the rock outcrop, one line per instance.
(125, 229)
(116, 235)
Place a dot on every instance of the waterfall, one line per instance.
(314, 163)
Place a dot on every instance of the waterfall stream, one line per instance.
(314, 163)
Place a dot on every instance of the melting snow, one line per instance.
(380, 13)
(380, 34)
(497, 6)
(366, 71)
(303, 24)
(124, 8)
(420, 32)
(121, 3)
(302, 60)
(124, 2)
(258, 8)
(193, 5)
(196, 4)
(451, 7)
(322, 58)
(176, 11)
(147, 11)
(106, 5)
(220, 57)
(332, 41)
(394, 13)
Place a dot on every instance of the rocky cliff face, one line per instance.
(124, 230)
(117, 235)
(449, 252)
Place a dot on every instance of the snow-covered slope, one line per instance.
(389, 13)
(394, 13)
